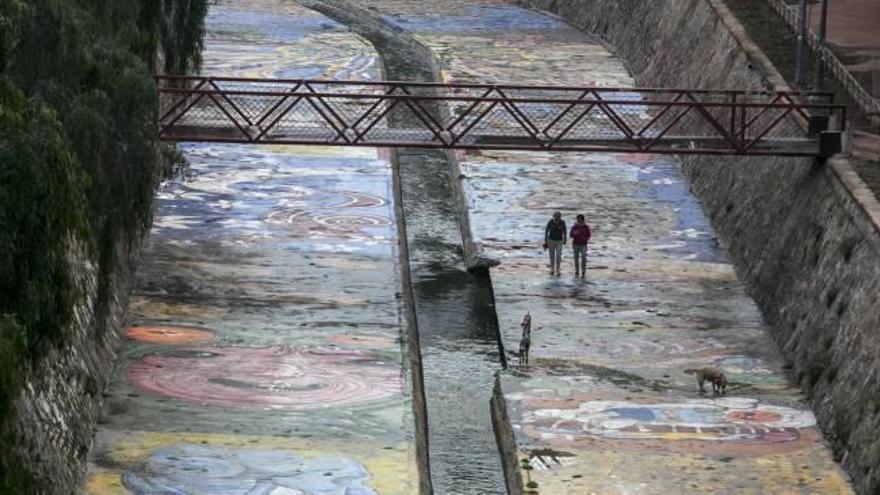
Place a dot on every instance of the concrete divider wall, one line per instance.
(506, 440)
(804, 236)
(405, 59)
(411, 347)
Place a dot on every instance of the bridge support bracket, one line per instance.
(830, 143)
(818, 124)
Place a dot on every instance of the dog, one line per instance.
(526, 341)
(712, 375)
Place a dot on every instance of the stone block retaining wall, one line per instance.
(62, 398)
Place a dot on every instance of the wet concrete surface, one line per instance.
(264, 352)
(604, 406)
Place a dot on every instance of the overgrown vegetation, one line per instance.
(78, 163)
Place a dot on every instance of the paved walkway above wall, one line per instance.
(854, 45)
(854, 37)
(853, 34)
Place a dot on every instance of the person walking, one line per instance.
(580, 236)
(554, 240)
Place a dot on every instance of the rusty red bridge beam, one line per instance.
(484, 116)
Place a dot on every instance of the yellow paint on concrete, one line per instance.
(148, 308)
(391, 467)
(105, 482)
(666, 473)
(324, 151)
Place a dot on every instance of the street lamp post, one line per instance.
(801, 49)
(820, 48)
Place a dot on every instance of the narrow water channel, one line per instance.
(458, 331)
(459, 355)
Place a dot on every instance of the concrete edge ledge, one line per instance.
(474, 258)
(771, 76)
(851, 184)
(411, 331)
(505, 439)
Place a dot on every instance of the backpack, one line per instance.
(555, 230)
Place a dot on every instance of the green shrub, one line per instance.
(78, 162)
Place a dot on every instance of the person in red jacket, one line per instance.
(580, 236)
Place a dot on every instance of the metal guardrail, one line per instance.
(868, 103)
(476, 116)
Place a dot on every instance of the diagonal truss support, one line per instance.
(475, 116)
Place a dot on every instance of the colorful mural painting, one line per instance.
(604, 406)
(169, 335)
(730, 419)
(268, 377)
(264, 349)
(325, 203)
(374, 341)
(135, 462)
(288, 256)
(187, 468)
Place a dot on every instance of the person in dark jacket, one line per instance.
(580, 236)
(554, 239)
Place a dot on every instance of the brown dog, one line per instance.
(712, 375)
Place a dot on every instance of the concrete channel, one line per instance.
(304, 319)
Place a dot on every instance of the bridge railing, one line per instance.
(475, 116)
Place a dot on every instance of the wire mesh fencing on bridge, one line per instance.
(473, 116)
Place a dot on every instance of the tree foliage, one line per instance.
(78, 162)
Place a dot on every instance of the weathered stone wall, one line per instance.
(804, 236)
(62, 397)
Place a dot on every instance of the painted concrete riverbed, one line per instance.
(264, 353)
(264, 348)
(605, 406)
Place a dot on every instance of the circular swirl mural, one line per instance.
(188, 468)
(267, 377)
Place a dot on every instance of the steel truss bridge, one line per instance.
(511, 117)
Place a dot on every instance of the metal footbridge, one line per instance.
(511, 117)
